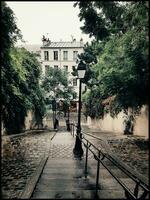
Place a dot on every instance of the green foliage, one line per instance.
(57, 85)
(10, 32)
(20, 72)
(119, 63)
(100, 18)
(92, 100)
(23, 91)
(9, 35)
(89, 57)
(123, 69)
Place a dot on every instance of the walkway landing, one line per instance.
(63, 175)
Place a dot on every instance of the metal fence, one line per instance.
(141, 187)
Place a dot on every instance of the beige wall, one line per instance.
(116, 124)
(28, 120)
(2, 128)
(141, 124)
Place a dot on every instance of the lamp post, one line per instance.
(68, 117)
(54, 112)
(54, 106)
(78, 151)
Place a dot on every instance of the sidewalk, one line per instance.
(63, 175)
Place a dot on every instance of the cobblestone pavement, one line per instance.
(132, 150)
(28, 150)
(18, 167)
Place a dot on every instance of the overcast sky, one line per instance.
(59, 19)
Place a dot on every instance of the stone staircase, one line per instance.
(63, 175)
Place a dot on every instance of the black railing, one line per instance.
(141, 188)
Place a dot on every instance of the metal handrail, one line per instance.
(128, 193)
(120, 166)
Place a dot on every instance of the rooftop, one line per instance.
(36, 47)
(63, 45)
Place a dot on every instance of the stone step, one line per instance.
(79, 194)
(64, 178)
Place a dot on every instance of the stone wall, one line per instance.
(117, 124)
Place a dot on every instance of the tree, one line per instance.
(10, 33)
(101, 19)
(121, 64)
(35, 92)
(25, 93)
(93, 103)
(123, 70)
(20, 72)
(56, 85)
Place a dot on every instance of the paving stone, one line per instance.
(29, 150)
(20, 167)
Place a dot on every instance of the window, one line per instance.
(74, 82)
(46, 68)
(55, 55)
(75, 55)
(46, 55)
(55, 66)
(66, 68)
(65, 55)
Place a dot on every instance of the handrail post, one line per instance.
(73, 130)
(97, 175)
(86, 159)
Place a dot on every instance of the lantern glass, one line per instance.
(81, 73)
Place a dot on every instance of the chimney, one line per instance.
(48, 41)
(45, 41)
(81, 42)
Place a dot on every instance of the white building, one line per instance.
(61, 55)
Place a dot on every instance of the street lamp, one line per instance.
(54, 112)
(78, 151)
(53, 102)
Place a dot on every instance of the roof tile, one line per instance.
(63, 44)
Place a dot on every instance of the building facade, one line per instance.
(62, 55)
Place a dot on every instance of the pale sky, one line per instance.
(59, 19)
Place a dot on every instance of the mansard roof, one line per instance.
(63, 45)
